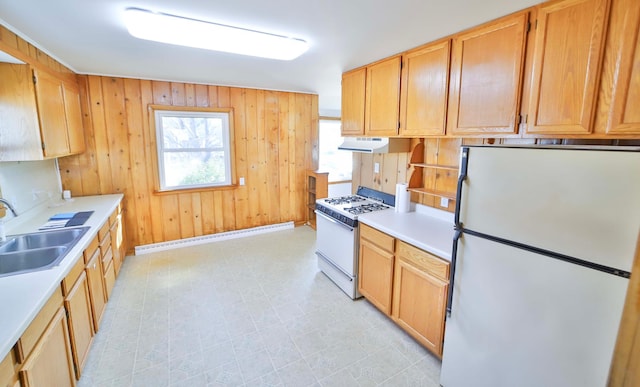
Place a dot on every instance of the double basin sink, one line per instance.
(37, 251)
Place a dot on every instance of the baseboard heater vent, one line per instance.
(164, 246)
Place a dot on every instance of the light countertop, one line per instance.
(23, 295)
(426, 228)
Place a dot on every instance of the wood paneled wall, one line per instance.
(275, 142)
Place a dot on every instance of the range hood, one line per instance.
(376, 144)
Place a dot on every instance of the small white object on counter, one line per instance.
(403, 198)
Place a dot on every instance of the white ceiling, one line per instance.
(89, 37)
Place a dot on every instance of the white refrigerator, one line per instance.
(545, 245)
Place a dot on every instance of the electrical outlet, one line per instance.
(444, 202)
(376, 167)
(241, 181)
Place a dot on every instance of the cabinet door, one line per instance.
(96, 288)
(73, 115)
(375, 275)
(619, 100)
(419, 302)
(19, 127)
(353, 94)
(53, 125)
(486, 78)
(50, 362)
(382, 108)
(116, 242)
(566, 64)
(425, 84)
(78, 306)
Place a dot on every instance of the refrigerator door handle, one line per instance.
(464, 157)
(452, 272)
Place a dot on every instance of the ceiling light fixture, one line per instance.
(165, 28)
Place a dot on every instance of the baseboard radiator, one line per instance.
(164, 246)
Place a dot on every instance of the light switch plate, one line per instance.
(241, 181)
(444, 202)
(376, 167)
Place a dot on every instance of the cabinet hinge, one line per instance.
(398, 125)
(523, 118)
(528, 27)
(35, 79)
(42, 145)
(536, 26)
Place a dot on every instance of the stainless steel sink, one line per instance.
(41, 239)
(37, 251)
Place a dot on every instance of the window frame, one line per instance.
(156, 112)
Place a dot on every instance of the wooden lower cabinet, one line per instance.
(406, 283)
(78, 305)
(375, 274)
(375, 268)
(420, 296)
(96, 288)
(50, 363)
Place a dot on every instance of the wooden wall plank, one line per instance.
(228, 203)
(155, 202)
(187, 220)
(242, 214)
(100, 135)
(284, 193)
(140, 204)
(252, 129)
(271, 146)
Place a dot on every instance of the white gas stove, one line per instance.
(338, 233)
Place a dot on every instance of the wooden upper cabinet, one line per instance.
(425, 83)
(41, 115)
(383, 98)
(353, 94)
(486, 78)
(566, 64)
(619, 99)
(51, 110)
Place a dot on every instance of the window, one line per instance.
(194, 148)
(337, 162)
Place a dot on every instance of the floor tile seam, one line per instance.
(395, 375)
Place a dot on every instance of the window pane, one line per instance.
(194, 168)
(192, 132)
(337, 162)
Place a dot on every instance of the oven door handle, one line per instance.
(330, 219)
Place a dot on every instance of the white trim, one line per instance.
(164, 246)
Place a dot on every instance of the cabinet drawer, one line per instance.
(376, 237)
(107, 256)
(104, 230)
(430, 263)
(113, 217)
(70, 279)
(91, 249)
(32, 334)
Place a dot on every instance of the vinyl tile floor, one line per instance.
(253, 311)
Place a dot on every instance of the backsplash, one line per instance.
(27, 184)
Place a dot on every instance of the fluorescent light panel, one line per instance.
(165, 28)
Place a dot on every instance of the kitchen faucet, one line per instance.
(9, 206)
